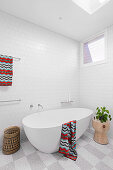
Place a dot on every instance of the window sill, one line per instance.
(94, 64)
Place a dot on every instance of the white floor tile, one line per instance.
(82, 142)
(22, 164)
(89, 135)
(5, 159)
(27, 148)
(110, 141)
(108, 161)
(102, 148)
(69, 164)
(92, 159)
(47, 159)
(94, 168)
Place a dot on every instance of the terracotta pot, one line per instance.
(101, 130)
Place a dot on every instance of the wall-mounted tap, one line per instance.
(40, 106)
(31, 106)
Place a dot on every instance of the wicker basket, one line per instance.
(11, 141)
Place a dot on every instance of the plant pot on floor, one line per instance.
(101, 130)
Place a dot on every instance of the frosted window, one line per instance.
(94, 51)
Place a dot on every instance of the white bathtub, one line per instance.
(43, 129)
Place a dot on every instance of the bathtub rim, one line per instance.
(59, 125)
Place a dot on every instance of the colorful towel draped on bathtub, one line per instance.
(6, 70)
(68, 140)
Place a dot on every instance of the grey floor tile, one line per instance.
(19, 154)
(35, 162)
(89, 157)
(95, 151)
(23, 137)
(111, 141)
(102, 166)
(90, 131)
(58, 155)
(69, 164)
(48, 159)
(89, 135)
(108, 161)
(55, 166)
(111, 154)
(5, 159)
(103, 148)
(83, 164)
(9, 166)
(22, 164)
(94, 168)
(83, 137)
(110, 146)
(81, 142)
(28, 148)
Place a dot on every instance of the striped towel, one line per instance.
(6, 70)
(68, 140)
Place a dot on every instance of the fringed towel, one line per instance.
(68, 140)
(6, 70)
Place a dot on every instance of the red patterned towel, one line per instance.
(68, 140)
(6, 70)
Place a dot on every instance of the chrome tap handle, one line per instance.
(39, 105)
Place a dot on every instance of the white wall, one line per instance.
(47, 73)
(96, 82)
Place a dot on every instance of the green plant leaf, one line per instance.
(106, 115)
(103, 114)
(97, 117)
(107, 111)
(105, 119)
(102, 121)
(97, 108)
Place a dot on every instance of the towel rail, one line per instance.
(5, 101)
(17, 58)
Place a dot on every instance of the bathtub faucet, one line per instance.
(39, 105)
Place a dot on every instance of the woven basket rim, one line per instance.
(13, 134)
(12, 127)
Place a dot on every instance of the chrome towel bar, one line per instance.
(16, 58)
(4, 101)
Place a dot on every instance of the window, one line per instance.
(94, 50)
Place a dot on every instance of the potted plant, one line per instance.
(101, 124)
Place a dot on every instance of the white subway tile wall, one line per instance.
(47, 73)
(96, 82)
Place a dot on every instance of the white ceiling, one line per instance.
(61, 16)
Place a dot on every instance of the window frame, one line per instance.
(82, 49)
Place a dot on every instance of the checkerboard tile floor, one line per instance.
(91, 156)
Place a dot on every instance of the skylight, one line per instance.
(90, 6)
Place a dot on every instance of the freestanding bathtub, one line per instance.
(43, 129)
